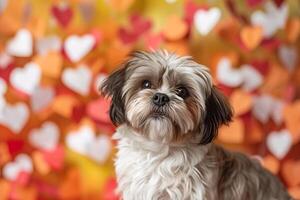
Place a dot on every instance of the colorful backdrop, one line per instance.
(54, 129)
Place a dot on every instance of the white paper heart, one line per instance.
(5, 60)
(279, 143)
(21, 44)
(14, 117)
(251, 78)
(26, 79)
(100, 148)
(78, 80)
(85, 142)
(272, 19)
(12, 170)
(266, 107)
(80, 140)
(76, 47)
(227, 75)
(288, 56)
(245, 76)
(46, 137)
(205, 20)
(50, 43)
(3, 4)
(41, 98)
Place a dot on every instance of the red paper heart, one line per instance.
(15, 147)
(98, 110)
(62, 14)
(55, 158)
(253, 3)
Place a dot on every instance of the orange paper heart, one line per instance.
(64, 105)
(51, 64)
(241, 102)
(251, 36)
(291, 115)
(234, 133)
(40, 164)
(271, 163)
(175, 28)
(292, 29)
(291, 172)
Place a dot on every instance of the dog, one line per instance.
(168, 112)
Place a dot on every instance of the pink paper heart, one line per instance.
(55, 158)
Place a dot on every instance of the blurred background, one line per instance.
(55, 134)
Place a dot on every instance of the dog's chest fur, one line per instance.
(151, 171)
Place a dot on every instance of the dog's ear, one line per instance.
(112, 87)
(218, 112)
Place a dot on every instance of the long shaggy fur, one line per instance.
(166, 151)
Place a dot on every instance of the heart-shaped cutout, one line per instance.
(272, 19)
(100, 148)
(175, 28)
(46, 137)
(41, 98)
(76, 47)
(291, 117)
(63, 14)
(14, 117)
(48, 44)
(241, 102)
(279, 143)
(291, 172)
(98, 110)
(251, 36)
(205, 20)
(12, 170)
(234, 133)
(50, 64)
(26, 79)
(78, 80)
(21, 44)
(288, 56)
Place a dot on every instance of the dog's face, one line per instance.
(166, 98)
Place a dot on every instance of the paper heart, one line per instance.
(175, 28)
(288, 56)
(41, 98)
(64, 104)
(232, 134)
(78, 80)
(266, 107)
(86, 143)
(271, 163)
(251, 36)
(205, 20)
(63, 14)
(3, 4)
(100, 148)
(245, 76)
(5, 60)
(21, 44)
(227, 75)
(291, 172)
(12, 170)
(46, 137)
(80, 140)
(241, 102)
(279, 143)
(50, 64)
(47, 44)
(76, 47)
(26, 79)
(252, 79)
(292, 29)
(87, 11)
(55, 157)
(14, 117)
(98, 110)
(40, 164)
(272, 19)
(291, 117)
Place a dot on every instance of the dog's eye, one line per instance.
(146, 84)
(182, 92)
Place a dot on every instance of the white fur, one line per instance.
(149, 170)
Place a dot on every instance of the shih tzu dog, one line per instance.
(168, 112)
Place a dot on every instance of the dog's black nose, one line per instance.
(160, 99)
